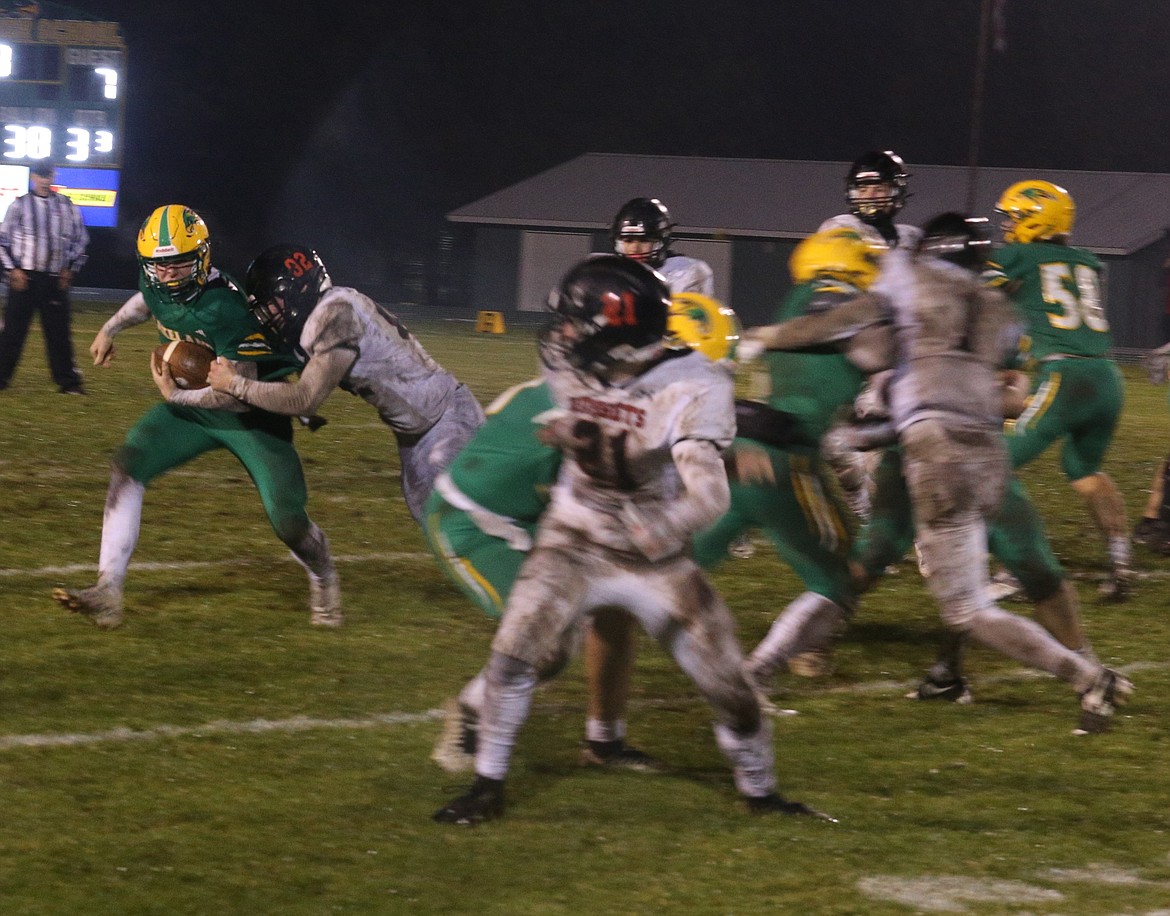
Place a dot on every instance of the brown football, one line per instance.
(189, 362)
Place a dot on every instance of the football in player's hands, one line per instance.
(188, 362)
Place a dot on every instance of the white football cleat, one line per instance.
(455, 749)
(101, 603)
(325, 600)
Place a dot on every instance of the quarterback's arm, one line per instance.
(133, 311)
(322, 373)
(706, 496)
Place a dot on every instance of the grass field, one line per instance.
(218, 755)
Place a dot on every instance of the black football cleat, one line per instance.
(951, 691)
(1118, 585)
(484, 801)
(617, 755)
(773, 803)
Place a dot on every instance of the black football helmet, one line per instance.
(962, 240)
(883, 169)
(643, 219)
(609, 310)
(283, 285)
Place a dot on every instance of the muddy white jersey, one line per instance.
(628, 432)
(688, 275)
(392, 371)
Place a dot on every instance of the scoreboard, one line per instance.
(62, 100)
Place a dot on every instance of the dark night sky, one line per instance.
(355, 126)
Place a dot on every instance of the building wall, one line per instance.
(494, 277)
(1137, 312)
(544, 259)
(760, 278)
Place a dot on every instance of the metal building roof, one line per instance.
(1117, 212)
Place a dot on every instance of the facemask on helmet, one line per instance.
(283, 285)
(876, 186)
(641, 231)
(1035, 210)
(607, 311)
(174, 253)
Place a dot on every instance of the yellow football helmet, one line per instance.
(703, 324)
(174, 235)
(840, 254)
(1035, 210)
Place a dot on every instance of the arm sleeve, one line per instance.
(322, 373)
(210, 399)
(133, 311)
(706, 495)
(873, 349)
(810, 332)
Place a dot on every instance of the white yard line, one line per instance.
(222, 727)
(162, 565)
(123, 735)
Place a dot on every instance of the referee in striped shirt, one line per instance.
(42, 245)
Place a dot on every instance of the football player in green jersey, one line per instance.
(829, 265)
(1077, 392)
(788, 492)
(189, 299)
(944, 334)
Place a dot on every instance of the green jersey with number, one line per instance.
(1057, 291)
(505, 468)
(219, 319)
(813, 386)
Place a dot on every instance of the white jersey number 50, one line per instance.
(1081, 306)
